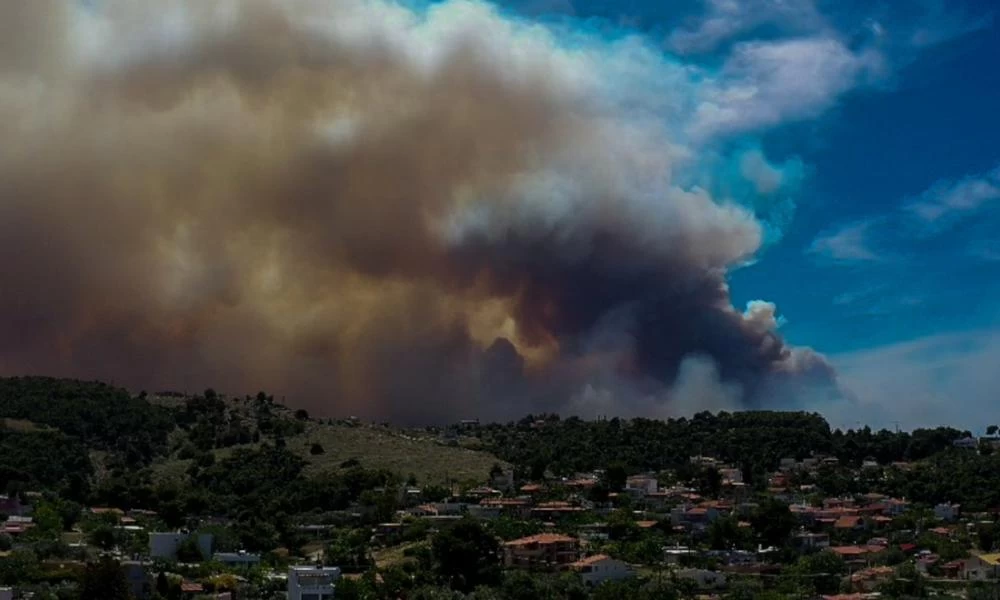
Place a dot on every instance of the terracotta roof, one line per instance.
(590, 560)
(531, 487)
(542, 538)
(646, 524)
(849, 550)
(846, 522)
(191, 588)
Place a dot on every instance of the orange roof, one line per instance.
(941, 531)
(531, 487)
(541, 538)
(590, 560)
(847, 522)
(646, 524)
(554, 504)
(849, 550)
(191, 588)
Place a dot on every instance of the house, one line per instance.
(947, 511)
(848, 522)
(672, 554)
(982, 567)
(811, 541)
(236, 559)
(190, 589)
(968, 442)
(164, 545)
(640, 485)
(867, 580)
(312, 583)
(703, 578)
(6, 593)
(140, 582)
(594, 570)
(855, 554)
(547, 551)
(11, 506)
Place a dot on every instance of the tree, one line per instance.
(103, 536)
(496, 471)
(104, 580)
(992, 430)
(316, 449)
(615, 477)
(466, 555)
(773, 522)
(302, 414)
(189, 552)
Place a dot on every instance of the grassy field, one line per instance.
(373, 447)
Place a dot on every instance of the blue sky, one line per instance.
(889, 262)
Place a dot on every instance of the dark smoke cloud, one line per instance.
(371, 210)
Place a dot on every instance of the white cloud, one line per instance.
(764, 84)
(725, 19)
(942, 379)
(847, 244)
(953, 199)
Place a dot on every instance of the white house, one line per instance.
(312, 583)
(599, 568)
(947, 512)
(236, 559)
(641, 485)
(967, 442)
(981, 567)
(165, 544)
(6, 593)
(703, 578)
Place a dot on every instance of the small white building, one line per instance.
(595, 570)
(6, 593)
(164, 545)
(703, 578)
(641, 485)
(981, 567)
(236, 559)
(312, 583)
(947, 512)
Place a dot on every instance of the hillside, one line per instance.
(101, 431)
(370, 446)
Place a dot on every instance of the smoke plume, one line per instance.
(371, 209)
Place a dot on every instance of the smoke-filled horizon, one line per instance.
(379, 210)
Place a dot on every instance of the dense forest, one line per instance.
(757, 440)
(93, 442)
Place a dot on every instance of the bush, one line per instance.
(316, 449)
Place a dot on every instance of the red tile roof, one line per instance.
(847, 522)
(590, 560)
(542, 539)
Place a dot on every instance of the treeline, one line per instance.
(101, 416)
(755, 441)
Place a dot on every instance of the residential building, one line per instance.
(312, 582)
(599, 568)
(811, 541)
(982, 567)
(236, 559)
(11, 506)
(641, 485)
(547, 551)
(140, 582)
(672, 554)
(947, 511)
(164, 545)
(703, 578)
(6, 593)
(967, 442)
